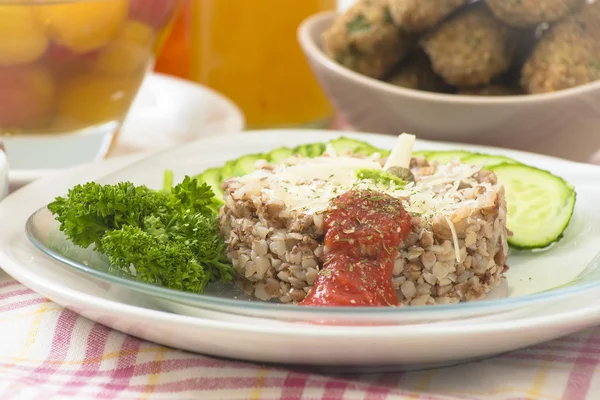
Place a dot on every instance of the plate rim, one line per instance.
(412, 330)
(567, 317)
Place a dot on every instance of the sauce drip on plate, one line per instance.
(363, 231)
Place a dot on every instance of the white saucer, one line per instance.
(167, 111)
(264, 340)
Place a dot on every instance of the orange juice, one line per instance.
(247, 50)
(174, 58)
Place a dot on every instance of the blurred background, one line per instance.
(74, 81)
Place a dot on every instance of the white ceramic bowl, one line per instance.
(564, 124)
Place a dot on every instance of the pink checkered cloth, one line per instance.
(48, 352)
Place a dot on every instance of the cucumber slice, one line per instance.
(212, 177)
(445, 156)
(228, 170)
(384, 153)
(303, 150)
(488, 160)
(316, 149)
(245, 164)
(241, 166)
(540, 205)
(421, 153)
(279, 155)
(367, 150)
(310, 150)
(354, 146)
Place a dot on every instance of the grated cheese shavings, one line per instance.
(401, 153)
(454, 239)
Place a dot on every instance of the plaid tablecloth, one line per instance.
(47, 352)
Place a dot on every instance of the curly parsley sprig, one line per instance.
(168, 238)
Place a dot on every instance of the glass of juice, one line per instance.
(69, 71)
(247, 50)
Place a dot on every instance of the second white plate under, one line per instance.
(255, 340)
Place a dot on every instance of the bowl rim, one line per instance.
(3, 158)
(313, 51)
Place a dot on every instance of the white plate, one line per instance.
(252, 339)
(531, 278)
(167, 111)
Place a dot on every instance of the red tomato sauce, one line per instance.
(363, 231)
